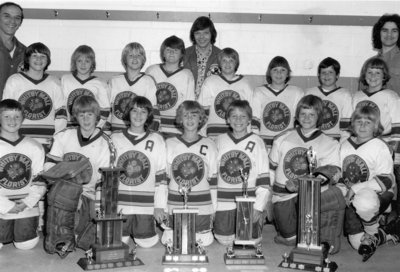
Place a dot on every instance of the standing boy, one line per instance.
(336, 100)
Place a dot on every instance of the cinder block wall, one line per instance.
(304, 45)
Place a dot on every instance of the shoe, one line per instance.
(368, 246)
(283, 241)
(392, 231)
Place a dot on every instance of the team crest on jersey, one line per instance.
(188, 169)
(37, 104)
(121, 104)
(355, 170)
(73, 156)
(368, 103)
(15, 171)
(276, 116)
(74, 95)
(167, 96)
(330, 115)
(295, 163)
(231, 163)
(137, 168)
(223, 100)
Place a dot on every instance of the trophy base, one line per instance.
(109, 257)
(308, 260)
(185, 259)
(86, 264)
(244, 255)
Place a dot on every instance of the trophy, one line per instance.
(109, 251)
(244, 251)
(309, 254)
(184, 250)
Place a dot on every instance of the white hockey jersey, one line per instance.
(20, 162)
(288, 157)
(274, 111)
(123, 91)
(217, 93)
(193, 165)
(69, 146)
(250, 155)
(369, 163)
(337, 110)
(143, 158)
(172, 90)
(73, 88)
(43, 103)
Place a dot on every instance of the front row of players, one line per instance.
(155, 169)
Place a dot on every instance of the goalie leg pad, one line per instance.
(63, 199)
(332, 216)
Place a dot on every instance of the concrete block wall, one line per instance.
(303, 45)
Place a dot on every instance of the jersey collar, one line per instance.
(316, 134)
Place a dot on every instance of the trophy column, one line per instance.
(109, 251)
(244, 251)
(184, 249)
(309, 254)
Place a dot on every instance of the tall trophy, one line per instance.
(245, 250)
(109, 251)
(184, 250)
(309, 254)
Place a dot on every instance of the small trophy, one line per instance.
(308, 254)
(184, 250)
(109, 251)
(244, 251)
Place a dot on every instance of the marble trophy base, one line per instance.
(244, 253)
(308, 260)
(109, 257)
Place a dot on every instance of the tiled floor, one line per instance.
(387, 258)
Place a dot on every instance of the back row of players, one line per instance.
(270, 110)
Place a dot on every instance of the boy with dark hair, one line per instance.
(40, 94)
(337, 109)
(174, 83)
(21, 160)
(142, 154)
(240, 151)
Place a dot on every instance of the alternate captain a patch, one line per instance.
(121, 104)
(15, 171)
(355, 170)
(137, 168)
(74, 156)
(74, 95)
(167, 96)
(37, 104)
(188, 169)
(223, 100)
(230, 165)
(276, 116)
(295, 163)
(368, 103)
(330, 115)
